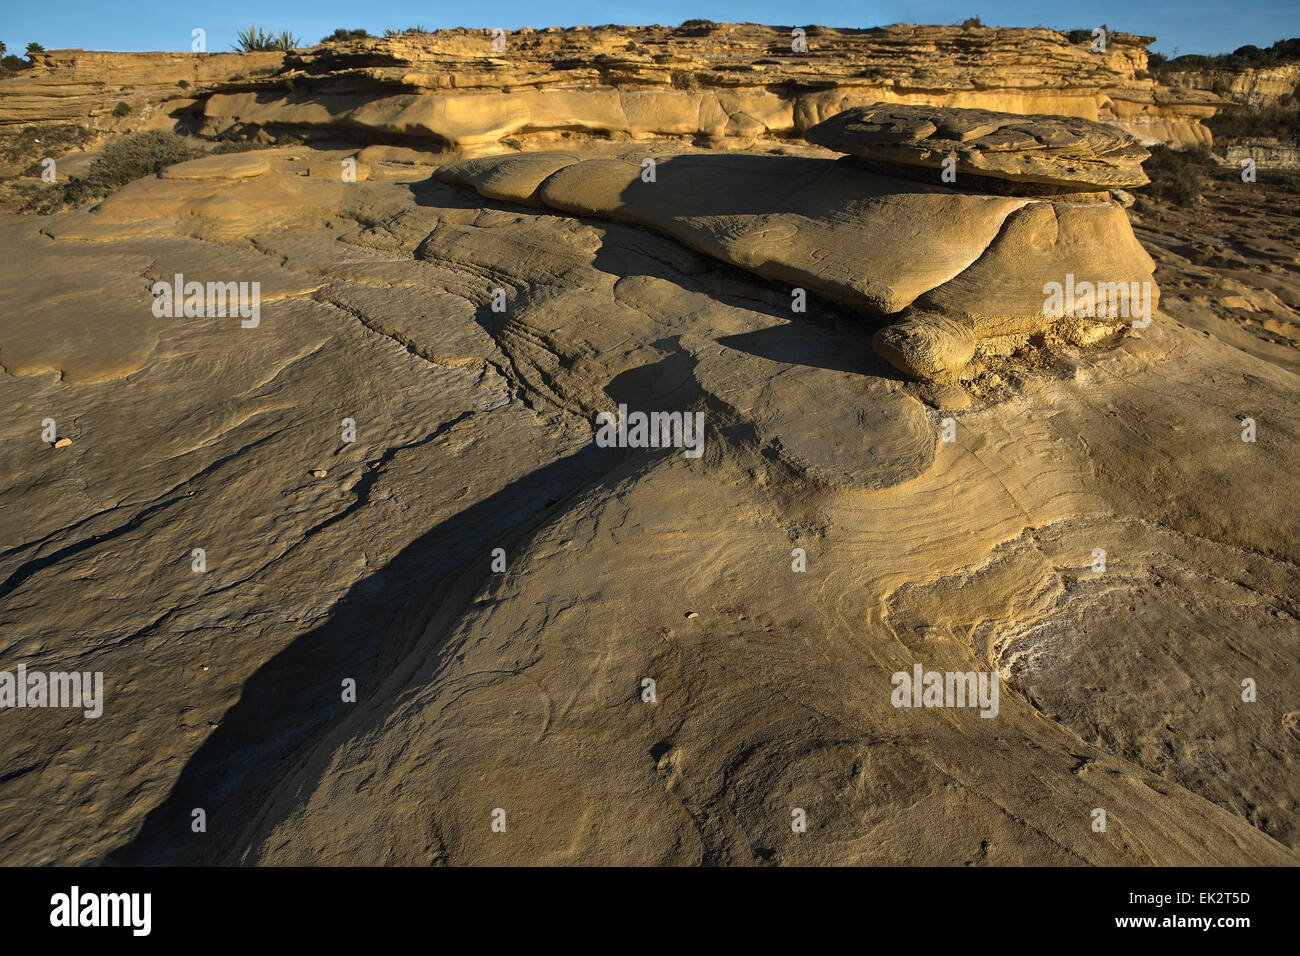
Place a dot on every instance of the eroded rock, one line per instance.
(1068, 153)
(977, 265)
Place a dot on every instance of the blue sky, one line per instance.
(1191, 26)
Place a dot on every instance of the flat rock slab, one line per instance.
(226, 166)
(1066, 152)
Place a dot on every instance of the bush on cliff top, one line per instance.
(344, 34)
(10, 64)
(1242, 58)
(255, 39)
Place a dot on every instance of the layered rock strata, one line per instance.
(1060, 154)
(951, 267)
(738, 81)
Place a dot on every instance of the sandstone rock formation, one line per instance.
(1253, 86)
(1049, 151)
(86, 85)
(736, 81)
(977, 263)
(231, 522)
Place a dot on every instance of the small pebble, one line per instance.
(319, 473)
(63, 443)
(691, 614)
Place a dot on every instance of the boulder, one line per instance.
(1067, 153)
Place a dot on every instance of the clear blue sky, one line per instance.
(1192, 26)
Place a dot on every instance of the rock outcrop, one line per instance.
(1252, 86)
(357, 571)
(737, 81)
(85, 86)
(1062, 154)
(520, 689)
(884, 245)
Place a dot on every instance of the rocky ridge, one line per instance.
(702, 80)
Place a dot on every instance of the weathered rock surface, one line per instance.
(1253, 86)
(1072, 154)
(842, 524)
(874, 242)
(86, 85)
(738, 81)
(925, 344)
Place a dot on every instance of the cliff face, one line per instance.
(1262, 86)
(85, 85)
(716, 81)
(1259, 123)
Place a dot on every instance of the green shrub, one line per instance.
(45, 139)
(138, 155)
(122, 108)
(342, 34)
(972, 22)
(255, 39)
(1176, 175)
(1242, 58)
(129, 158)
(1281, 121)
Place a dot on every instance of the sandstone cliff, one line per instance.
(736, 81)
(1262, 86)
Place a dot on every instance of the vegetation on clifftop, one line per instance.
(255, 39)
(1243, 58)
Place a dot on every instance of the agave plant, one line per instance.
(409, 31)
(255, 39)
